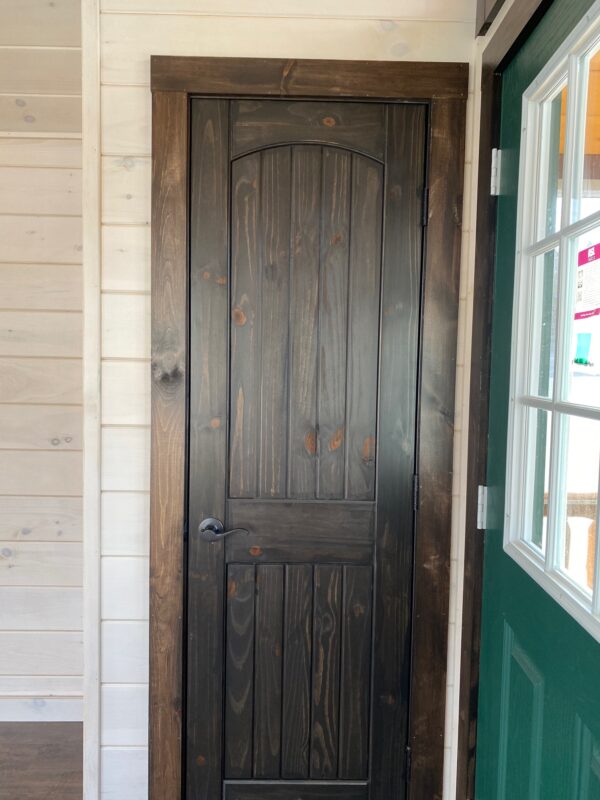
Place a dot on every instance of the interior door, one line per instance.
(306, 247)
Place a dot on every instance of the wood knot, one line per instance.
(255, 551)
(167, 368)
(201, 761)
(310, 443)
(336, 440)
(329, 122)
(206, 275)
(238, 316)
(215, 423)
(359, 610)
(336, 239)
(231, 589)
(221, 280)
(368, 450)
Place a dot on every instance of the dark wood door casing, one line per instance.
(443, 90)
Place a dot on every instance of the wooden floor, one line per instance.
(41, 761)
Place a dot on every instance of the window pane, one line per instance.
(544, 296)
(538, 477)
(584, 321)
(587, 192)
(554, 115)
(579, 501)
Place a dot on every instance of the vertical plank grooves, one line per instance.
(319, 332)
(348, 322)
(258, 450)
(291, 388)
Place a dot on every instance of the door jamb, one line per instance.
(443, 87)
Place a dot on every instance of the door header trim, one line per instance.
(280, 77)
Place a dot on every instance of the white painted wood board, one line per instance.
(40, 563)
(38, 22)
(126, 258)
(40, 240)
(124, 715)
(126, 182)
(41, 685)
(18, 151)
(40, 380)
(126, 326)
(126, 393)
(38, 427)
(40, 333)
(41, 286)
(40, 519)
(125, 459)
(125, 523)
(29, 190)
(124, 773)
(41, 709)
(124, 588)
(124, 647)
(40, 473)
(126, 120)
(40, 113)
(41, 653)
(35, 71)
(36, 608)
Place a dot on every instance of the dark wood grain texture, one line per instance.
(304, 299)
(275, 295)
(288, 532)
(297, 655)
(364, 292)
(239, 670)
(300, 791)
(207, 442)
(327, 638)
(436, 438)
(402, 267)
(268, 670)
(333, 322)
(383, 80)
(509, 31)
(41, 760)
(355, 673)
(356, 127)
(168, 467)
(487, 11)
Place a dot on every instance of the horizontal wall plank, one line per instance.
(40, 240)
(17, 151)
(41, 685)
(125, 326)
(40, 608)
(128, 40)
(124, 773)
(40, 473)
(40, 427)
(125, 459)
(125, 524)
(124, 711)
(41, 653)
(41, 709)
(376, 9)
(126, 120)
(126, 190)
(41, 563)
(40, 71)
(124, 647)
(40, 519)
(40, 113)
(126, 258)
(40, 380)
(40, 333)
(27, 190)
(125, 589)
(32, 22)
(41, 286)
(126, 393)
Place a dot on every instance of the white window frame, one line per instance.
(565, 66)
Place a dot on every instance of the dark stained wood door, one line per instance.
(306, 248)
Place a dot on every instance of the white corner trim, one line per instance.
(90, 41)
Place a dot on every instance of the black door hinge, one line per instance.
(425, 219)
(415, 492)
(408, 763)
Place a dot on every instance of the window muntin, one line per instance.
(553, 468)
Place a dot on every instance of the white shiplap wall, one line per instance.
(40, 361)
(129, 32)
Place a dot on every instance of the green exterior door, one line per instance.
(539, 701)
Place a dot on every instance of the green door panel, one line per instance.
(539, 697)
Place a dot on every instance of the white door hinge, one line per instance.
(496, 172)
(482, 505)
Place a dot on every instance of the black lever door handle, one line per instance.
(212, 530)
